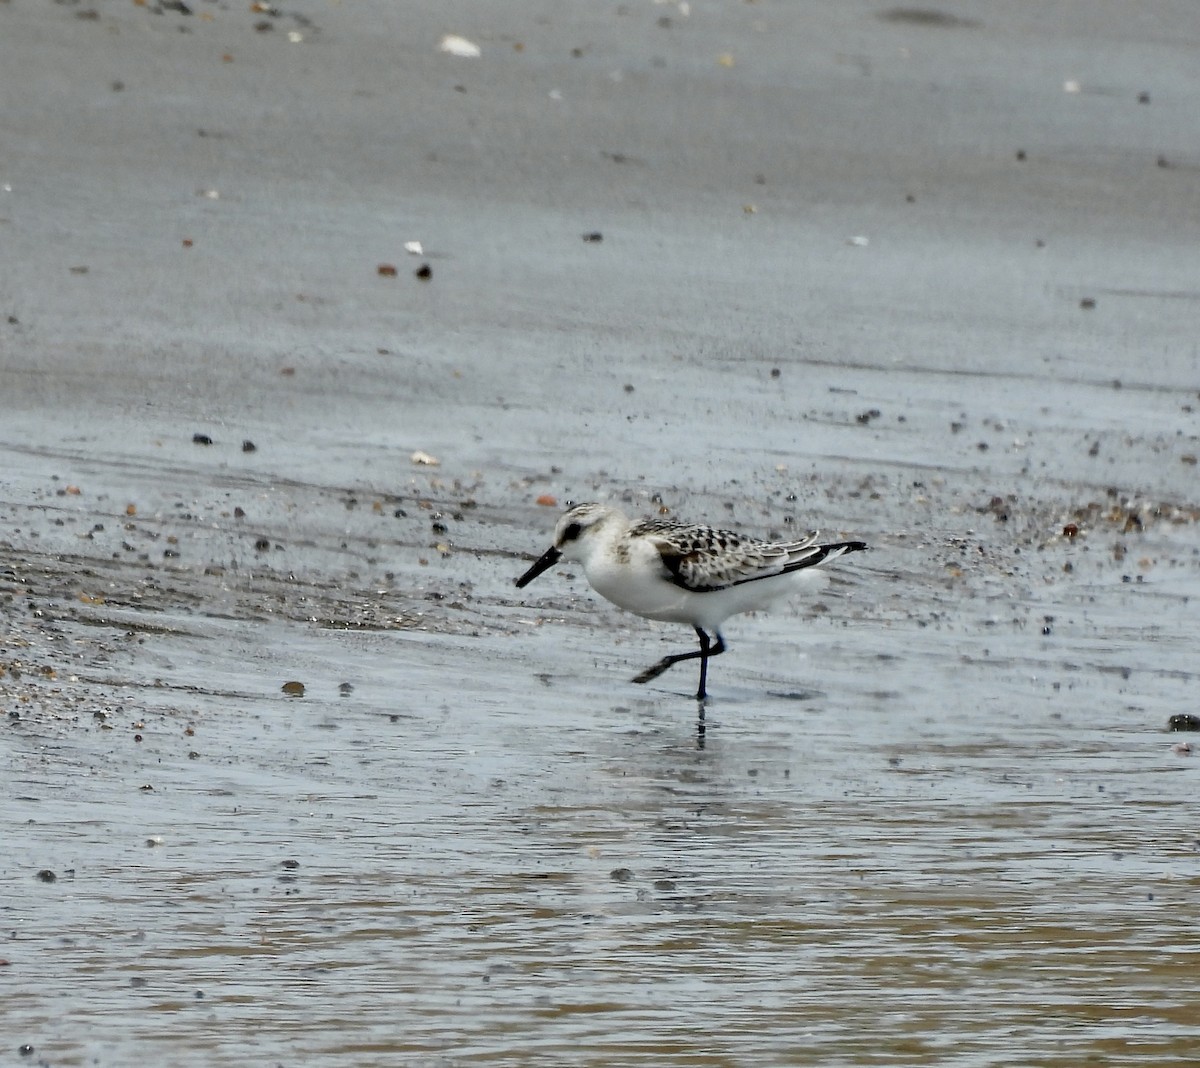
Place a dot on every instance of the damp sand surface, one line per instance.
(294, 774)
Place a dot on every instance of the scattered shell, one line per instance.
(293, 689)
(414, 248)
(454, 45)
(423, 459)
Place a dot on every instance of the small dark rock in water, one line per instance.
(1184, 721)
(290, 865)
(249, 446)
(424, 272)
(1088, 303)
(262, 544)
(620, 875)
(865, 417)
(345, 689)
(775, 372)
(47, 876)
(593, 237)
(294, 689)
(201, 439)
(25, 1050)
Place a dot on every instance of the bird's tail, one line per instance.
(823, 553)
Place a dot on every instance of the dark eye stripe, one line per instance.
(572, 532)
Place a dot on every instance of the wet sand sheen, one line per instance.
(934, 816)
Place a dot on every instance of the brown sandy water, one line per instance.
(933, 817)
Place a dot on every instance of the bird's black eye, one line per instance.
(572, 532)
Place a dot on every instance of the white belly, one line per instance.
(638, 587)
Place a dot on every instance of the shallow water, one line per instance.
(447, 866)
(890, 276)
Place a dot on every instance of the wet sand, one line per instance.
(924, 278)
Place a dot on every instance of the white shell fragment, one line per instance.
(424, 459)
(459, 46)
(414, 248)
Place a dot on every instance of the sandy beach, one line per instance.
(302, 313)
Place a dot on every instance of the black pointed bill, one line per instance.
(543, 563)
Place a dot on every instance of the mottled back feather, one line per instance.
(702, 559)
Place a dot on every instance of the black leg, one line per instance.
(701, 693)
(707, 650)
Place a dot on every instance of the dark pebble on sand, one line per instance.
(424, 272)
(201, 439)
(47, 876)
(249, 446)
(593, 237)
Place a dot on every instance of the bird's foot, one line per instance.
(654, 670)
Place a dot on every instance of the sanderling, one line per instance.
(680, 573)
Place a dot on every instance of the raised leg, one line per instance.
(707, 649)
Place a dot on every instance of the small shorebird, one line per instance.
(680, 573)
